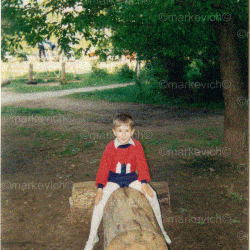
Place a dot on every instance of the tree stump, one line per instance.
(83, 195)
(129, 223)
(5, 82)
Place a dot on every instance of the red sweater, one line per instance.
(113, 158)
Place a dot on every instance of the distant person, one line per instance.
(42, 45)
(41, 50)
(52, 46)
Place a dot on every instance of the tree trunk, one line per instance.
(129, 223)
(235, 118)
(83, 195)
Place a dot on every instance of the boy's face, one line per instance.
(123, 133)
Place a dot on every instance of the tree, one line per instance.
(236, 117)
(191, 27)
(11, 37)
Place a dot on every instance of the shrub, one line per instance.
(126, 72)
(97, 71)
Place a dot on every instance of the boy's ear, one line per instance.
(113, 131)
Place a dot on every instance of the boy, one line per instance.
(121, 158)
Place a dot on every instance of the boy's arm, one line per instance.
(103, 172)
(142, 166)
(144, 176)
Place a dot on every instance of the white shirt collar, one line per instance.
(117, 143)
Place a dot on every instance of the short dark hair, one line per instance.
(123, 119)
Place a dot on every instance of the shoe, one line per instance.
(166, 237)
(90, 243)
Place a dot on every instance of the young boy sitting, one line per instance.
(120, 160)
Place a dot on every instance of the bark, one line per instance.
(83, 195)
(129, 223)
(82, 201)
(236, 117)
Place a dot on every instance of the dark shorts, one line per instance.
(123, 180)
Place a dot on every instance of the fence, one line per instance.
(61, 76)
(51, 71)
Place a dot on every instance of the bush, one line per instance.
(97, 71)
(126, 72)
(150, 88)
(22, 56)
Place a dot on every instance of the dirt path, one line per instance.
(43, 156)
(8, 97)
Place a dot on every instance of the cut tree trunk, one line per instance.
(236, 117)
(82, 201)
(83, 195)
(129, 223)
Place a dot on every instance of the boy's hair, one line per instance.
(123, 119)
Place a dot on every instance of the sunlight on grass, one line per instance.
(85, 80)
(48, 78)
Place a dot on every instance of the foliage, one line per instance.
(170, 27)
(168, 34)
(134, 94)
(126, 72)
(22, 56)
(98, 72)
(21, 22)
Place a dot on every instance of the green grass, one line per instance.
(125, 94)
(202, 166)
(62, 144)
(194, 142)
(132, 94)
(15, 111)
(205, 137)
(129, 94)
(82, 80)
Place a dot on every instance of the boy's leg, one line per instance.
(98, 210)
(153, 201)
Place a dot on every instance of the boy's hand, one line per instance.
(98, 196)
(146, 190)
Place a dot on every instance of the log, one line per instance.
(129, 223)
(82, 201)
(83, 195)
